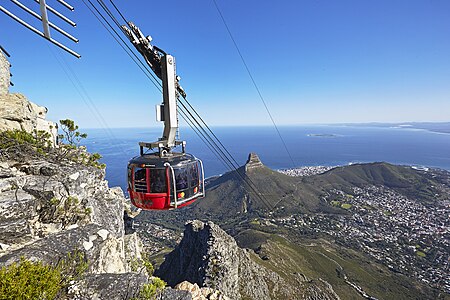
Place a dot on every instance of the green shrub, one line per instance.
(67, 210)
(20, 142)
(148, 266)
(70, 139)
(420, 254)
(34, 280)
(70, 135)
(22, 145)
(73, 266)
(346, 205)
(29, 280)
(150, 290)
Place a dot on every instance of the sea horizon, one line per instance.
(357, 124)
(309, 145)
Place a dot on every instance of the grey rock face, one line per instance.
(211, 258)
(171, 294)
(119, 287)
(38, 198)
(39, 223)
(16, 112)
(108, 286)
(48, 210)
(54, 247)
(4, 74)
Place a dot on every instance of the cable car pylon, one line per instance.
(163, 179)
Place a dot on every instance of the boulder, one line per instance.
(199, 293)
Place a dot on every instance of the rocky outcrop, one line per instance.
(4, 75)
(39, 198)
(253, 162)
(16, 112)
(108, 286)
(122, 286)
(48, 210)
(211, 258)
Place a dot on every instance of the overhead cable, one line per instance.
(254, 82)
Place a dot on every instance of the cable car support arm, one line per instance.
(163, 65)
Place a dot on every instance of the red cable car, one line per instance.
(172, 182)
(163, 179)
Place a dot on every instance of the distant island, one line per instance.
(322, 135)
(440, 127)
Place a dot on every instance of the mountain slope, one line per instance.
(405, 180)
(255, 190)
(259, 190)
(350, 274)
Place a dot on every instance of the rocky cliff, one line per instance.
(49, 211)
(211, 258)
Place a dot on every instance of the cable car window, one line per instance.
(193, 170)
(158, 181)
(129, 178)
(140, 182)
(181, 178)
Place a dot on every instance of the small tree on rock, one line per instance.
(71, 135)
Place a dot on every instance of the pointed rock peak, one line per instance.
(253, 161)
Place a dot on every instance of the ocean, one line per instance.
(324, 145)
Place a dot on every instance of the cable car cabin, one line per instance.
(169, 182)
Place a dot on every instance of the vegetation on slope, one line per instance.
(341, 267)
(34, 280)
(21, 145)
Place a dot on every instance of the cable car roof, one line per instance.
(155, 161)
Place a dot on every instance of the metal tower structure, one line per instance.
(45, 12)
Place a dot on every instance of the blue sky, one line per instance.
(314, 62)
